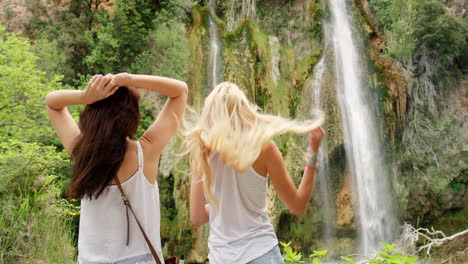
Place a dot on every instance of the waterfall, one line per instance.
(275, 58)
(371, 191)
(215, 58)
(314, 88)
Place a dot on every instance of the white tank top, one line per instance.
(103, 223)
(240, 228)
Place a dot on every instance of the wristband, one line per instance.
(312, 160)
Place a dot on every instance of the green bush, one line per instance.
(414, 27)
(33, 216)
(441, 32)
(431, 168)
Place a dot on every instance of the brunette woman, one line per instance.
(102, 150)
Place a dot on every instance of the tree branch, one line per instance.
(410, 236)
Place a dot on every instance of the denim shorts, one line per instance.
(271, 257)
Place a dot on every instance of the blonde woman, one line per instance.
(232, 154)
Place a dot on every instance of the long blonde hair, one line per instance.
(232, 126)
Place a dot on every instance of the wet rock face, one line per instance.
(457, 105)
(344, 207)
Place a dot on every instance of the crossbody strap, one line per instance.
(129, 207)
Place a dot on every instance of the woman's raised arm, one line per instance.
(159, 133)
(57, 102)
(295, 199)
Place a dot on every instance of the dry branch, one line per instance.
(410, 236)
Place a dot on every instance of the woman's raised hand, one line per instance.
(98, 88)
(117, 80)
(315, 138)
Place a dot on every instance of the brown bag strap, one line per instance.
(129, 207)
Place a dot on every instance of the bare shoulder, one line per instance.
(271, 151)
(266, 156)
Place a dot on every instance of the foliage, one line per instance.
(249, 62)
(33, 222)
(318, 256)
(146, 117)
(92, 38)
(397, 19)
(197, 35)
(431, 168)
(167, 52)
(119, 36)
(34, 219)
(429, 45)
(168, 211)
(67, 23)
(275, 15)
(387, 255)
(50, 58)
(414, 26)
(290, 256)
(441, 32)
(177, 10)
(22, 88)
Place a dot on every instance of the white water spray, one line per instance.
(215, 58)
(363, 148)
(328, 209)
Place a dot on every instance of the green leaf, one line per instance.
(348, 260)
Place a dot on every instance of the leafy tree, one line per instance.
(441, 32)
(22, 91)
(120, 36)
(167, 52)
(66, 22)
(417, 27)
(50, 58)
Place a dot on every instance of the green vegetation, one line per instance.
(415, 28)
(34, 218)
(22, 88)
(429, 44)
(38, 224)
(386, 255)
(290, 256)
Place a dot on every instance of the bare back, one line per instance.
(130, 163)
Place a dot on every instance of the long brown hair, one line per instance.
(101, 147)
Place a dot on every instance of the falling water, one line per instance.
(275, 59)
(215, 58)
(363, 148)
(317, 81)
(327, 204)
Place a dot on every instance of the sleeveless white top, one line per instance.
(103, 223)
(240, 228)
